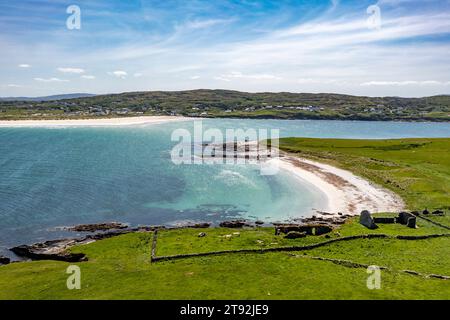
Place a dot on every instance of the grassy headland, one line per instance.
(120, 267)
(416, 169)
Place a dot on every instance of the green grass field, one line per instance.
(120, 267)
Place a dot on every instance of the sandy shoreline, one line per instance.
(104, 122)
(346, 192)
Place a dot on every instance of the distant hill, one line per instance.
(49, 98)
(227, 103)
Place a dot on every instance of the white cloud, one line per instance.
(50, 80)
(71, 70)
(137, 75)
(14, 86)
(24, 65)
(119, 74)
(89, 77)
(194, 77)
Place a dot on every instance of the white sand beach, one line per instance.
(102, 122)
(346, 192)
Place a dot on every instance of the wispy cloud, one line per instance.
(50, 80)
(24, 65)
(320, 46)
(71, 70)
(87, 76)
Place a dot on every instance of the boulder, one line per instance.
(438, 212)
(411, 223)
(202, 234)
(295, 235)
(366, 220)
(4, 260)
(426, 211)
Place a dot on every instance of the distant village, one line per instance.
(127, 107)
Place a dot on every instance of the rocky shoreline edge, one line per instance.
(58, 249)
(321, 224)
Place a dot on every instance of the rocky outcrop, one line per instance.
(4, 260)
(335, 220)
(50, 250)
(57, 249)
(98, 227)
(201, 225)
(366, 220)
(234, 224)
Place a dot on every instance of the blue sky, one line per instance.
(247, 45)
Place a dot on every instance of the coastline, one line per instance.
(101, 122)
(346, 192)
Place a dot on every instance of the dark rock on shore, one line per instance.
(336, 220)
(201, 225)
(98, 227)
(259, 222)
(4, 260)
(233, 224)
(438, 212)
(57, 249)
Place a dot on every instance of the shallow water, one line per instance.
(52, 177)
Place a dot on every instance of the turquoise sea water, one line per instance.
(53, 177)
